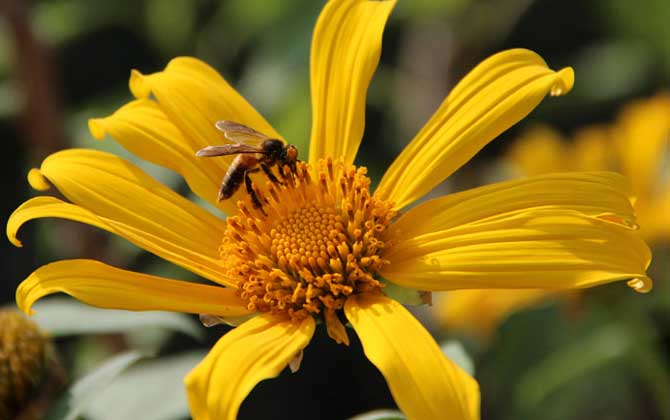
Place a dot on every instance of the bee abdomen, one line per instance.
(231, 182)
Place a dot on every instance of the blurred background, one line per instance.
(598, 354)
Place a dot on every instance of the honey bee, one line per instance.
(255, 151)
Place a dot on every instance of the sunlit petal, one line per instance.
(256, 350)
(424, 383)
(345, 52)
(144, 129)
(111, 193)
(491, 98)
(554, 232)
(194, 96)
(101, 285)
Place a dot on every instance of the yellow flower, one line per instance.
(636, 144)
(322, 246)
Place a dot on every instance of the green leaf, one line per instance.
(380, 415)
(571, 362)
(613, 69)
(64, 316)
(151, 390)
(94, 383)
(178, 15)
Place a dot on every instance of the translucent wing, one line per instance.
(241, 133)
(227, 149)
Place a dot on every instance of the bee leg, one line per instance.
(291, 167)
(270, 175)
(280, 169)
(250, 190)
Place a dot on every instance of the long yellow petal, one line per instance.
(495, 95)
(256, 350)
(101, 285)
(112, 194)
(597, 194)
(143, 129)
(423, 382)
(547, 250)
(194, 97)
(345, 52)
(556, 231)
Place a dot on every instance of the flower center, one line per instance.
(314, 242)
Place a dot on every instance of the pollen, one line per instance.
(314, 242)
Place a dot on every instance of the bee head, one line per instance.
(273, 149)
(290, 153)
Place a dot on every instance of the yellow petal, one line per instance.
(545, 250)
(479, 312)
(143, 129)
(423, 382)
(256, 350)
(112, 194)
(495, 95)
(556, 231)
(37, 181)
(194, 96)
(596, 194)
(345, 52)
(101, 285)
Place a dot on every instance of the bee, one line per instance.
(255, 151)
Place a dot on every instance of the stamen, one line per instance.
(311, 245)
(335, 329)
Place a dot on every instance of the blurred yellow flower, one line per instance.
(636, 145)
(322, 246)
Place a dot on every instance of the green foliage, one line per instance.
(64, 317)
(456, 352)
(80, 394)
(380, 415)
(152, 387)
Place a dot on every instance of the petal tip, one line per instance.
(22, 302)
(641, 284)
(26, 309)
(12, 229)
(138, 85)
(96, 126)
(37, 180)
(565, 79)
(13, 239)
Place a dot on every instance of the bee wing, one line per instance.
(241, 133)
(227, 149)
